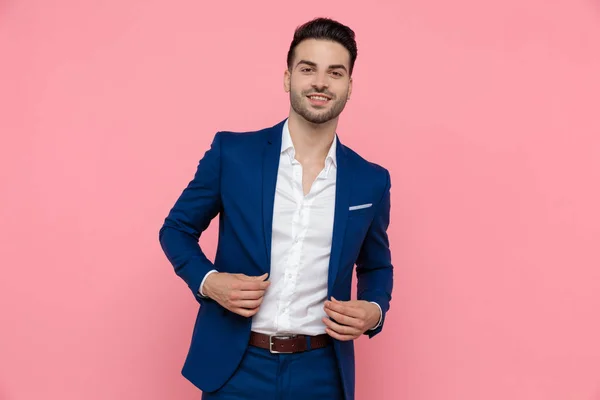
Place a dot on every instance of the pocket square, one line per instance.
(360, 207)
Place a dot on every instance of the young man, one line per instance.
(297, 210)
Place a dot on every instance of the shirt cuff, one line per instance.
(380, 317)
(200, 292)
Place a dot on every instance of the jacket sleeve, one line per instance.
(374, 270)
(192, 213)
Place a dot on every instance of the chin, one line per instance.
(319, 121)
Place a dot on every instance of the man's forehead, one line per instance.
(322, 52)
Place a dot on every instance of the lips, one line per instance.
(319, 97)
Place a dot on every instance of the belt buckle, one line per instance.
(279, 337)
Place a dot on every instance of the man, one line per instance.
(297, 210)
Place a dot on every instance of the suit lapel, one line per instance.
(270, 166)
(342, 203)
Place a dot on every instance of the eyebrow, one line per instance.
(312, 64)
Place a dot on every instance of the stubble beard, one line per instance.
(300, 105)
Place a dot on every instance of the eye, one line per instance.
(337, 74)
(306, 69)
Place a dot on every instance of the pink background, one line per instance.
(485, 112)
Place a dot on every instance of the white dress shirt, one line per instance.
(300, 248)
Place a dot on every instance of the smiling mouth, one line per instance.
(318, 97)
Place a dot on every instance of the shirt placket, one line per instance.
(294, 259)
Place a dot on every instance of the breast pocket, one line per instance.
(360, 210)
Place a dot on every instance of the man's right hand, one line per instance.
(239, 293)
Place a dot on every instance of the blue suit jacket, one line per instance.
(236, 180)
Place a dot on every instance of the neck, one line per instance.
(311, 141)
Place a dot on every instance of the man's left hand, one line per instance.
(351, 318)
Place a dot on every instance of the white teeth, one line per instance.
(319, 98)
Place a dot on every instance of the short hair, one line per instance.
(325, 29)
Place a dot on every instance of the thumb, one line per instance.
(254, 278)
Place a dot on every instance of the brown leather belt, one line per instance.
(289, 343)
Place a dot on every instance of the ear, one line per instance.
(350, 88)
(287, 77)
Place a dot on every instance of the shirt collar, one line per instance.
(287, 146)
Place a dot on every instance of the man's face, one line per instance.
(319, 82)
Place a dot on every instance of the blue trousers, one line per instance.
(301, 376)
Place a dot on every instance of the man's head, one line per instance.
(319, 68)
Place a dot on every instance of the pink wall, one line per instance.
(486, 113)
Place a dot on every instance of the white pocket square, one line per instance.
(360, 207)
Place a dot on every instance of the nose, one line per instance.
(320, 81)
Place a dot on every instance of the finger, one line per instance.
(253, 278)
(252, 285)
(249, 304)
(245, 312)
(350, 303)
(338, 336)
(246, 294)
(344, 308)
(344, 319)
(340, 329)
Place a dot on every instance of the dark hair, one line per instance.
(325, 29)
